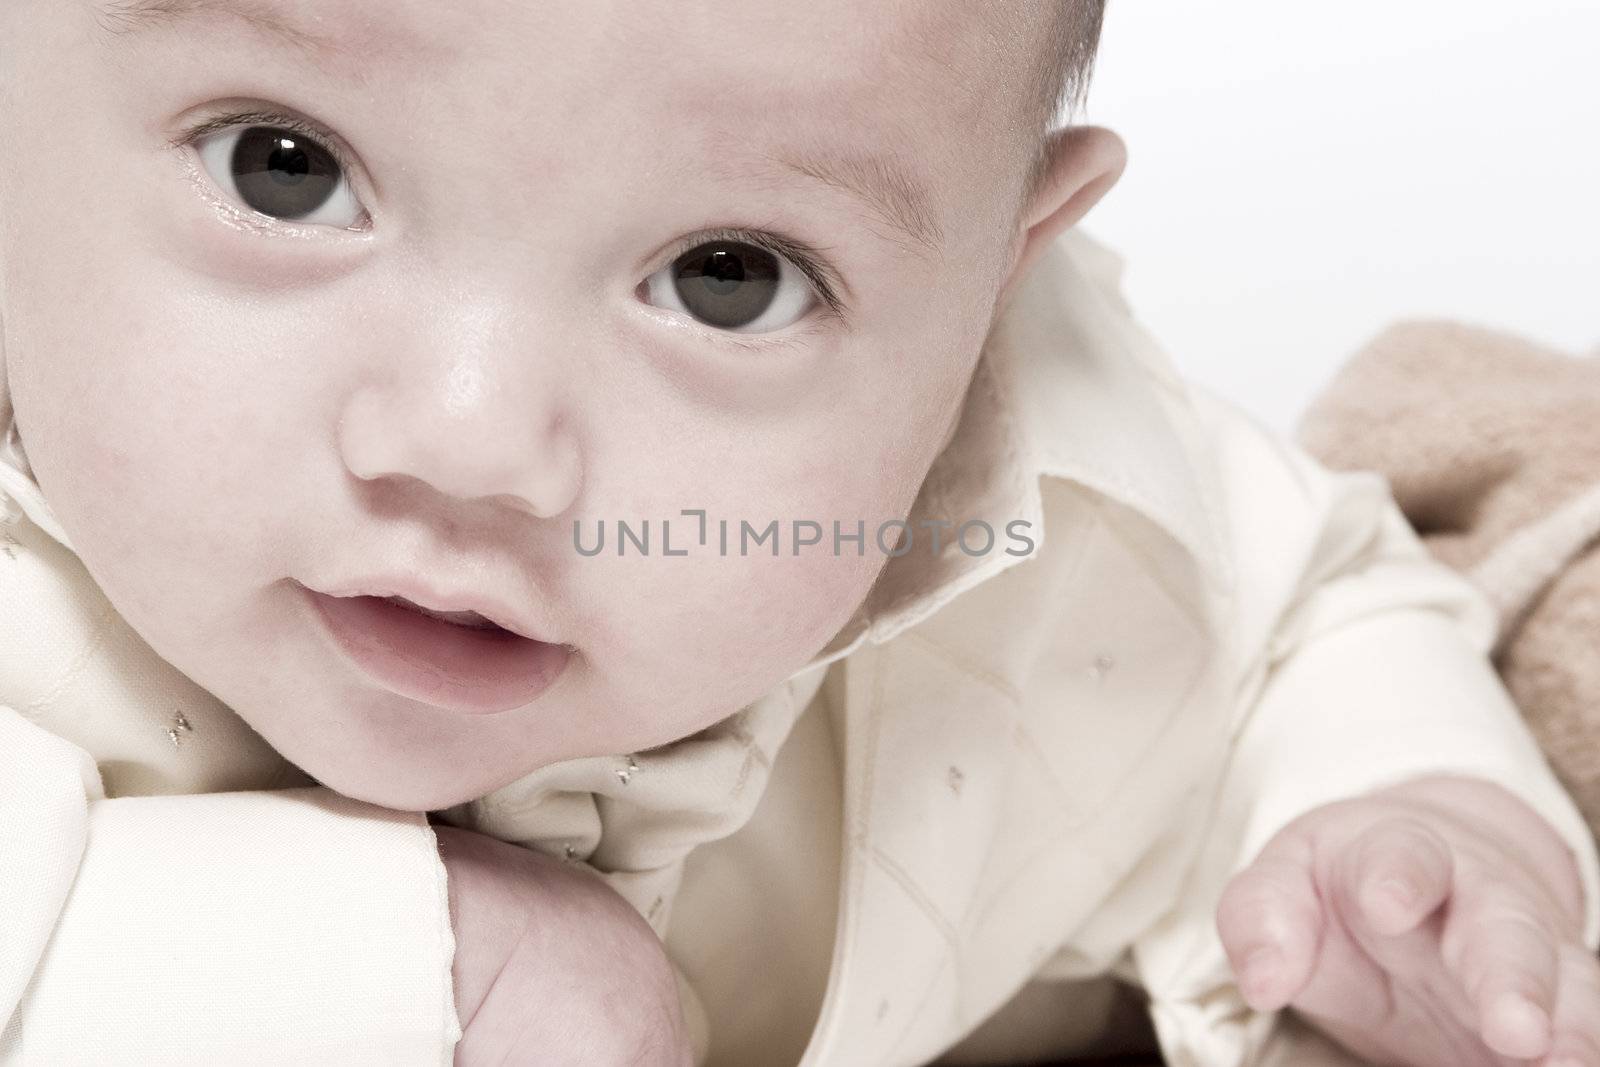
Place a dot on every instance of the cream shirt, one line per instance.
(1003, 774)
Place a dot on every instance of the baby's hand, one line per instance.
(1433, 924)
(551, 966)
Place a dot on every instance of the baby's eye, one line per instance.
(735, 286)
(282, 173)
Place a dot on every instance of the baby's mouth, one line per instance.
(456, 660)
(470, 619)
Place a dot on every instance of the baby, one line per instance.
(686, 443)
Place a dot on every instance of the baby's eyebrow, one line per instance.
(894, 195)
(129, 17)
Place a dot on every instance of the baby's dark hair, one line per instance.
(1072, 37)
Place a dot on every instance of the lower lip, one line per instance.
(439, 663)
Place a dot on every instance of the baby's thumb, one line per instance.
(1270, 919)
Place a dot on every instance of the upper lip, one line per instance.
(491, 607)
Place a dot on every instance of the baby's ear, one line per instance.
(1082, 164)
(1442, 410)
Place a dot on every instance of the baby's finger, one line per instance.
(1577, 1014)
(1397, 874)
(1270, 920)
(1506, 960)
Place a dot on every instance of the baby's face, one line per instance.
(300, 295)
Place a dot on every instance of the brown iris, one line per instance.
(726, 284)
(282, 173)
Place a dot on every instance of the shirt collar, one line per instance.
(1067, 386)
(19, 493)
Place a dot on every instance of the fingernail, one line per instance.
(1391, 904)
(1259, 972)
(1398, 890)
(1523, 1028)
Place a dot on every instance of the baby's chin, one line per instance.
(401, 793)
(404, 787)
(406, 770)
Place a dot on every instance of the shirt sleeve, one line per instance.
(1364, 663)
(294, 926)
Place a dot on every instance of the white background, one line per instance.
(1301, 174)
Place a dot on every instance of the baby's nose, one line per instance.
(468, 433)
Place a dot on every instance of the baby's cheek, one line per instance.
(800, 605)
(713, 635)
